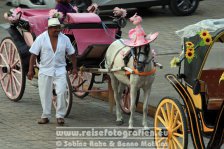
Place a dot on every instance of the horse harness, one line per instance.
(136, 56)
(133, 53)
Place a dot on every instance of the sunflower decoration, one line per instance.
(190, 51)
(206, 38)
(204, 34)
(190, 54)
(221, 78)
(189, 44)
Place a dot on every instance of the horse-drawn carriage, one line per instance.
(88, 33)
(201, 90)
(92, 38)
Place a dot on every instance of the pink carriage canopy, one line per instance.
(88, 36)
(37, 19)
(84, 37)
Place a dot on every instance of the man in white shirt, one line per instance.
(52, 46)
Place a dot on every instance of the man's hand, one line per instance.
(31, 68)
(30, 75)
(74, 70)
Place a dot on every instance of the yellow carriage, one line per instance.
(199, 110)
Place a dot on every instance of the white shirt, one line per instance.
(52, 64)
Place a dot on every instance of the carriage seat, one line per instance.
(215, 91)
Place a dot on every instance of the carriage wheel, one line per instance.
(82, 83)
(12, 75)
(125, 101)
(68, 98)
(170, 118)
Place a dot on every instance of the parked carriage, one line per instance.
(199, 86)
(88, 33)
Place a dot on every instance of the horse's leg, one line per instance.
(133, 94)
(147, 91)
(115, 84)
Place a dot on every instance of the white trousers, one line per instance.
(45, 84)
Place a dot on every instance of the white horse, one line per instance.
(142, 60)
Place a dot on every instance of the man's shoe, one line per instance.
(60, 121)
(43, 121)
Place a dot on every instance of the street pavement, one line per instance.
(18, 123)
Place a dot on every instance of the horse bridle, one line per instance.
(136, 55)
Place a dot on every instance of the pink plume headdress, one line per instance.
(13, 15)
(119, 12)
(53, 13)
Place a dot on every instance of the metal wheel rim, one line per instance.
(186, 5)
(11, 70)
(169, 116)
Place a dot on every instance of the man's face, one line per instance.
(54, 30)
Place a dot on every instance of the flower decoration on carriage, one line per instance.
(221, 78)
(206, 40)
(190, 53)
(119, 16)
(54, 13)
(92, 8)
(174, 62)
(119, 12)
(13, 15)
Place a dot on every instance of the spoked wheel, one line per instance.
(125, 101)
(68, 98)
(82, 83)
(170, 118)
(12, 75)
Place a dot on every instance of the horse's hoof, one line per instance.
(119, 123)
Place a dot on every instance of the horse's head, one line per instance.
(140, 48)
(139, 41)
(142, 57)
